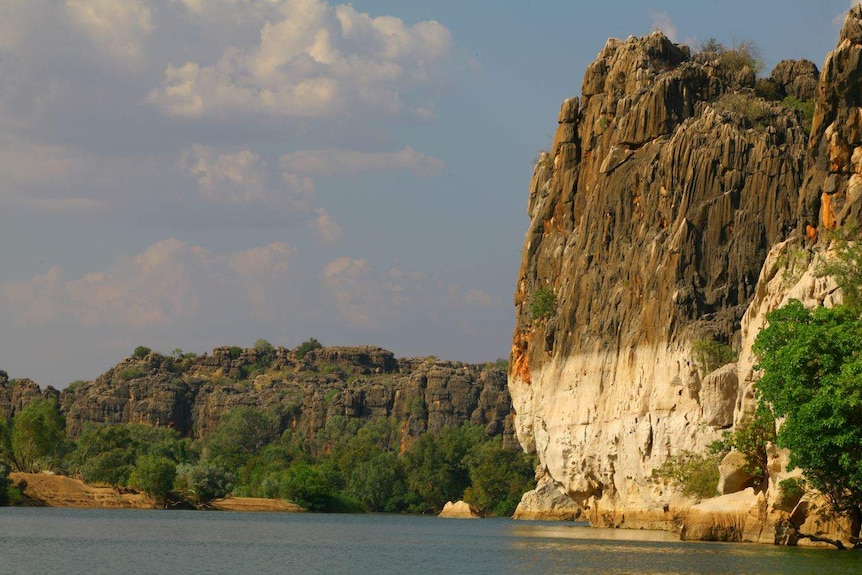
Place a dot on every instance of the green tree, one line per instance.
(141, 352)
(751, 438)
(38, 438)
(155, 476)
(264, 347)
(5, 483)
(811, 363)
(436, 467)
(306, 486)
(104, 454)
(242, 433)
(498, 477)
(845, 266)
(203, 482)
(306, 346)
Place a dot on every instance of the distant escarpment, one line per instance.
(307, 390)
(682, 199)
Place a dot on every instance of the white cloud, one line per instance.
(326, 228)
(349, 162)
(662, 21)
(312, 60)
(368, 299)
(118, 27)
(243, 178)
(169, 282)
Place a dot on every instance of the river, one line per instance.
(50, 540)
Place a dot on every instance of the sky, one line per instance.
(195, 173)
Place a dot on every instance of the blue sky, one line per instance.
(194, 173)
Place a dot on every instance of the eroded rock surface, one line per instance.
(668, 213)
(193, 394)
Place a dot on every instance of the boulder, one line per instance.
(459, 510)
(547, 503)
(732, 474)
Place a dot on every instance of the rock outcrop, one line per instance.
(674, 209)
(192, 394)
(459, 510)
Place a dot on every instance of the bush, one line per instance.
(696, 474)
(755, 111)
(751, 438)
(710, 354)
(544, 303)
(155, 476)
(741, 54)
(203, 482)
(307, 346)
(128, 373)
(805, 107)
(141, 352)
(38, 439)
(263, 347)
(845, 267)
(5, 483)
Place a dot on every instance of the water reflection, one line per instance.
(584, 531)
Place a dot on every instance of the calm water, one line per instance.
(152, 542)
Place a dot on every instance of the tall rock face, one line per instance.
(667, 185)
(309, 392)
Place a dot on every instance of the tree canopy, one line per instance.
(811, 362)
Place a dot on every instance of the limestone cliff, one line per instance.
(191, 394)
(666, 188)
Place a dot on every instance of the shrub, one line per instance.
(203, 482)
(544, 303)
(306, 346)
(741, 54)
(755, 111)
(696, 474)
(500, 363)
(264, 348)
(235, 351)
(5, 483)
(768, 89)
(805, 107)
(155, 476)
(710, 354)
(128, 373)
(751, 438)
(141, 352)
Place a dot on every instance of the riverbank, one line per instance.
(46, 490)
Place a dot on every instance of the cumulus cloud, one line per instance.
(312, 60)
(118, 27)
(326, 228)
(662, 22)
(168, 282)
(349, 162)
(242, 177)
(369, 299)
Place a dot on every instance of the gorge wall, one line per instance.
(674, 207)
(307, 391)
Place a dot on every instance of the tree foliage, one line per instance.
(695, 473)
(154, 475)
(38, 439)
(544, 303)
(203, 482)
(306, 346)
(812, 376)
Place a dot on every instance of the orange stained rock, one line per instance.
(827, 217)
